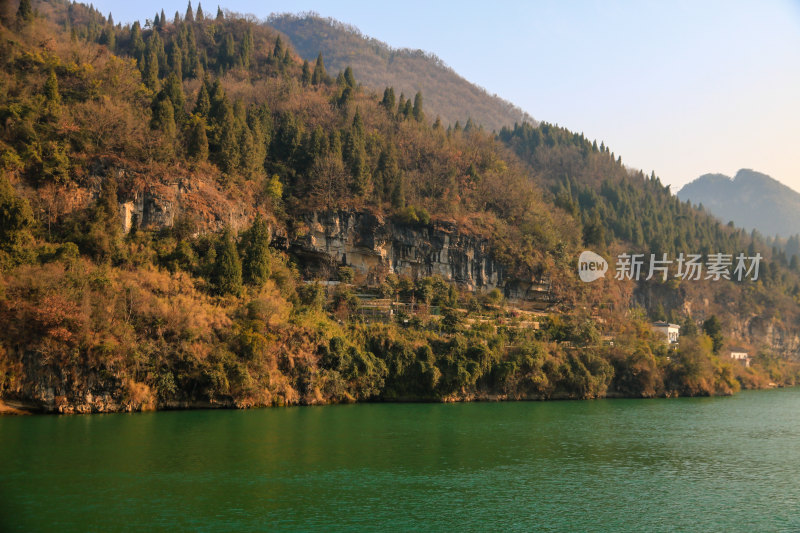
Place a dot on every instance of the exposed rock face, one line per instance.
(375, 246)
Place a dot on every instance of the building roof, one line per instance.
(665, 325)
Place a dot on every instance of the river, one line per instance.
(702, 464)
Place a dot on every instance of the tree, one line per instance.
(150, 74)
(163, 116)
(388, 101)
(220, 14)
(227, 270)
(24, 11)
(713, 328)
(349, 78)
(319, 76)
(173, 90)
(189, 13)
(255, 266)
(197, 140)
(417, 112)
(51, 93)
(16, 222)
(199, 16)
(305, 78)
(203, 104)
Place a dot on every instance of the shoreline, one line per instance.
(22, 408)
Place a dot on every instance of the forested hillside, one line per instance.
(377, 65)
(161, 196)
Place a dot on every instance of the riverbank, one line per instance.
(16, 407)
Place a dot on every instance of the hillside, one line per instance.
(751, 200)
(193, 215)
(377, 66)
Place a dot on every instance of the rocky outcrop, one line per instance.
(375, 246)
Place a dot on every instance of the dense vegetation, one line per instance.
(96, 317)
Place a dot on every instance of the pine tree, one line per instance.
(200, 16)
(189, 14)
(277, 50)
(255, 266)
(349, 78)
(203, 104)
(247, 48)
(220, 14)
(388, 101)
(164, 116)
(227, 270)
(173, 89)
(305, 78)
(176, 61)
(319, 76)
(417, 112)
(226, 56)
(196, 139)
(51, 94)
(228, 153)
(151, 70)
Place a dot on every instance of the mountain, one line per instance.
(751, 200)
(193, 215)
(378, 66)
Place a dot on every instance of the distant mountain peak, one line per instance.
(751, 199)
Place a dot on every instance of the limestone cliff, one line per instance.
(375, 246)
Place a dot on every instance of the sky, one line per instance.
(682, 88)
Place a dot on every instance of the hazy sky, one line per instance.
(682, 88)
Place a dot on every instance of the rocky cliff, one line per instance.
(375, 246)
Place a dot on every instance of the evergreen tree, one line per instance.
(150, 76)
(176, 61)
(227, 153)
(203, 104)
(255, 266)
(173, 89)
(226, 56)
(417, 112)
(51, 94)
(227, 271)
(164, 116)
(713, 328)
(388, 176)
(319, 76)
(349, 77)
(247, 48)
(305, 78)
(220, 14)
(197, 140)
(388, 101)
(189, 14)
(200, 16)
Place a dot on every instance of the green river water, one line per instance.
(710, 464)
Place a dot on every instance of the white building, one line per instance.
(671, 332)
(741, 356)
